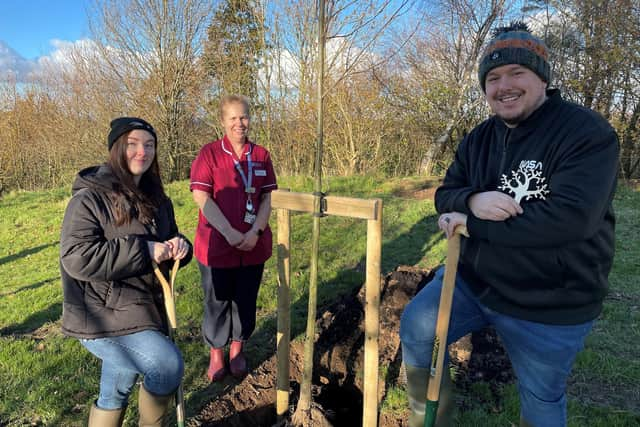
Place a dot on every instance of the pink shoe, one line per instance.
(237, 360)
(217, 371)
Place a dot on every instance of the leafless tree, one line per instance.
(150, 50)
(443, 60)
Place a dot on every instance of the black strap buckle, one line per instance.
(323, 204)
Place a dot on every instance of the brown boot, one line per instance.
(237, 360)
(106, 417)
(217, 370)
(153, 409)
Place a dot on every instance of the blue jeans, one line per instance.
(147, 353)
(541, 355)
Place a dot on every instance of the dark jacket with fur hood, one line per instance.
(107, 276)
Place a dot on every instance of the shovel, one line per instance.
(170, 308)
(442, 326)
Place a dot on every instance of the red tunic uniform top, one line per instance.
(213, 171)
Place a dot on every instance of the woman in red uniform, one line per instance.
(231, 180)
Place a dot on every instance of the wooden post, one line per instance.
(372, 318)
(371, 210)
(284, 312)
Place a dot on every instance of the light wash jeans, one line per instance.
(147, 353)
(541, 355)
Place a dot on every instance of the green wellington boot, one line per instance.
(106, 417)
(524, 423)
(417, 383)
(153, 409)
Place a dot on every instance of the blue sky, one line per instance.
(28, 26)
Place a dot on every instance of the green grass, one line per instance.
(47, 379)
(395, 401)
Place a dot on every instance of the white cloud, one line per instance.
(60, 58)
(13, 66)
(341, 57)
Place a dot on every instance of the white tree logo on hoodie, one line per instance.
(527, 182)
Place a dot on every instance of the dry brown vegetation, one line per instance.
(401, 85)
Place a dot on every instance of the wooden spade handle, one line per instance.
(167, 292)
(442, 324)
(168, 289)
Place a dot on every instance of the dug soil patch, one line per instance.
(337, 381)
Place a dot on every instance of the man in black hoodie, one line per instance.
(534, 185)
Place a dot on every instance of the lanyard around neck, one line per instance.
(245, 180)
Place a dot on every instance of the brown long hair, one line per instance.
(131, 200)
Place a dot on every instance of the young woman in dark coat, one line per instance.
(117, 223)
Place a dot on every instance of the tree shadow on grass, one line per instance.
(29, 287)
(26, 252)
(407, 248)
(34, 322)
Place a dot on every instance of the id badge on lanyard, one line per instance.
(250, 212)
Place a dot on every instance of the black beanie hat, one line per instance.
(125, 124)
(515, 45)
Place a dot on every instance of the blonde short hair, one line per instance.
(233, 99)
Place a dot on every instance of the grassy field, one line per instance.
(47, 379)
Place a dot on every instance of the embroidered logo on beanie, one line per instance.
(515, 44)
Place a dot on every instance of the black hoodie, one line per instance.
(551, 263)
(107, 276)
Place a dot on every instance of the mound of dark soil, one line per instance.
(338, 366)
